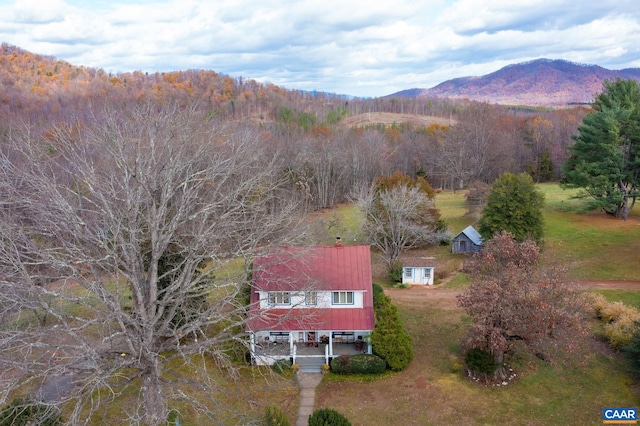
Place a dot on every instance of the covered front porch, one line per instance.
(269, 347)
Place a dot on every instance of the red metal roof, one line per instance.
(323, 267)
(328, 268)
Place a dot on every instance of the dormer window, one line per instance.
(342, 298)
(310, 298)
(279, 298)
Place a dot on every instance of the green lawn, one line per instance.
(452, 209)
(596, 246)
(628, 297)
(433, 391)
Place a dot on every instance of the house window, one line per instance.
(408, 272)
(279, 298)
(310, 297)
(427, 273)
(342, 298)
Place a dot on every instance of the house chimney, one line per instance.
(338, 242)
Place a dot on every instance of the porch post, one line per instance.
(331, 344)
(326, 354)
(252, 345)
(290, 341)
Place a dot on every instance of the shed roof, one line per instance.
(472, 234)
(419, 262)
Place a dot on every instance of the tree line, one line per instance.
(324, 158)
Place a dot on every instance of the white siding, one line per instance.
(414, 275)
(324, 298)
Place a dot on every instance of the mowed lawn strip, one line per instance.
(596, 246)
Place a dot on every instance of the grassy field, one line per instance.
(433, 391)
(595, 245)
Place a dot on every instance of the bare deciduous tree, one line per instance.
(516, 298)
(110, 230)
(399, 217)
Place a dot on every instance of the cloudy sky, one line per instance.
(356, 47)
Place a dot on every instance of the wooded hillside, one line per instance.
(332, 146)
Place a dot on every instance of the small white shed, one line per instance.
(418, 270)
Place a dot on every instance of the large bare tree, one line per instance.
(400, 214)
(117, 236)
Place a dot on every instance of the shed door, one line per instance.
(426, 274)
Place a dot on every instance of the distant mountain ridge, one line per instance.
(541, 82)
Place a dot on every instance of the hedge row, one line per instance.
(358, 364)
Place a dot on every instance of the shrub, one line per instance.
(480, 361)
(378, 294)
(395, 272)
(389, 338)
(620, 320)
(281, 365)
(341, 365)
(620, 331)
(274, 417)
(358, 364)
(328, 417)
(367, 364)
(598, 302)
(614, 311)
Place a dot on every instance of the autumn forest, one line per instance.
(331, 146)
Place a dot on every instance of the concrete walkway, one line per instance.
(307, 383)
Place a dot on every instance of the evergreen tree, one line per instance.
(514, 205)
(605, 160)
(389, 338)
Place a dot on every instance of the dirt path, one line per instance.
(612, 285)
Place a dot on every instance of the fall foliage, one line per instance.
(517, 300)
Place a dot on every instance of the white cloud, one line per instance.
(357, 47)
(39, 12)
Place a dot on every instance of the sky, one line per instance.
(364, 48)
